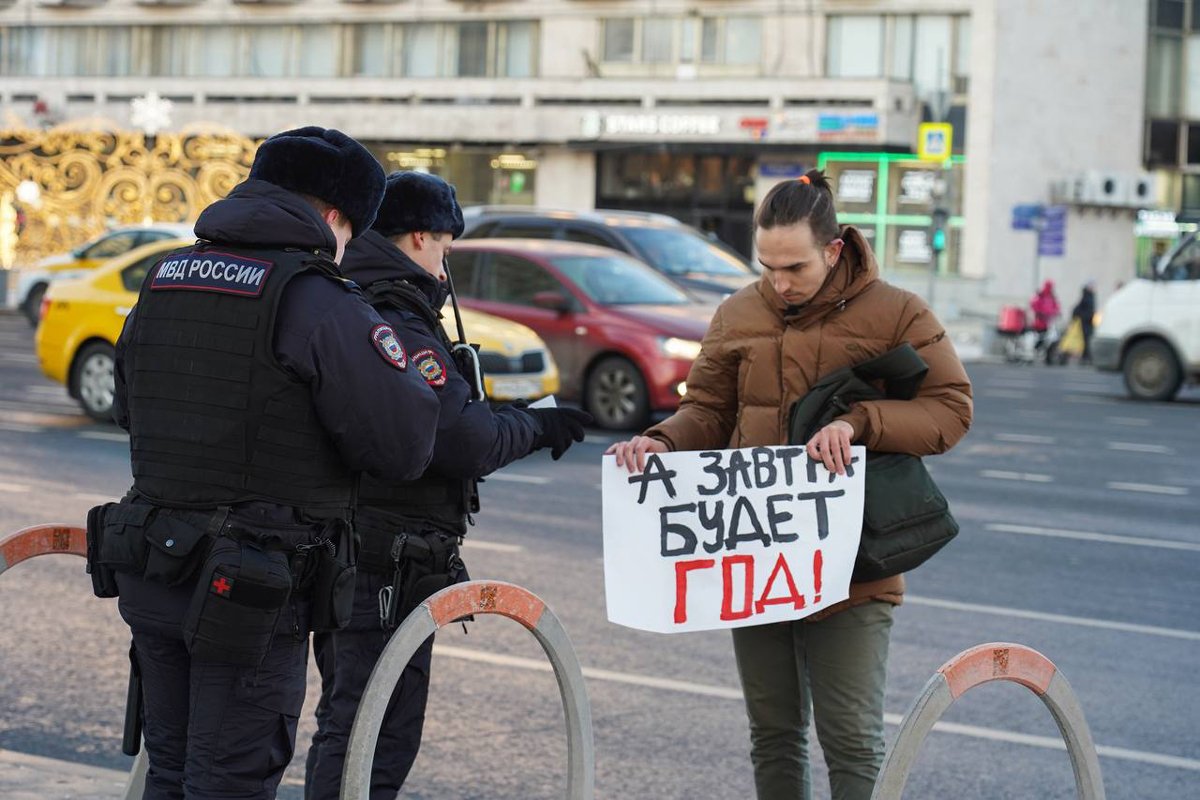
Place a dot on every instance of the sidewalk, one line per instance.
(26, 777)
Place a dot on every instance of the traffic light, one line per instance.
(940, 218)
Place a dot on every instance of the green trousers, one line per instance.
(832, 671)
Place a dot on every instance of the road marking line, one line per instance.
(1005, 393)
(516, 477)
(1136, 422)
(16, 488)
(1024, 438)
(95, 498)
(1031, 477)
(1139, 541)
(475, 544)
(1085, 622)
(104, 436)
(1148, 488)
(17, 427)
(729, 693)
(1137, 447)
(20, 358)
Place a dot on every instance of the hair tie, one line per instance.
(804, 179)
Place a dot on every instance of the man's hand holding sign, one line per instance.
(727, 538)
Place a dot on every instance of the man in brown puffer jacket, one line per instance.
(820, 306)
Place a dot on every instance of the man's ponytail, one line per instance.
(807, 198)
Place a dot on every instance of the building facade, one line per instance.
(687, 107)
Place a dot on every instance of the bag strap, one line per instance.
(901, 369)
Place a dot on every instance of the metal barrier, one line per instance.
(443, 608)
(45, 540)
(997, 661)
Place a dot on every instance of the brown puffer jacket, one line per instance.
(759, 356)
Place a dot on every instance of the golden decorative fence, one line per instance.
(62, 186)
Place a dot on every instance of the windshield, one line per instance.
(618, 281)
(678, 251)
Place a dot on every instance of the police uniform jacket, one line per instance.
(473, 438)
(366, 409)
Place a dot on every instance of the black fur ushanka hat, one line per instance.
(328, 165)
(416, 201)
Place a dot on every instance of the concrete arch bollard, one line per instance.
(443, 608)
(996, 661)
(45, 540)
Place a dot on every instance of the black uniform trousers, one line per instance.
(345, 659)
(213, 731)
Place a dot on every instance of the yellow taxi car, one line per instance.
(81, 319)
(32, 282)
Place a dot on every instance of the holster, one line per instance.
(419, 563)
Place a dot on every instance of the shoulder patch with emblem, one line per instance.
(388, 345)
(430, 366)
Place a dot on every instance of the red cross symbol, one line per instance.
(221, 586)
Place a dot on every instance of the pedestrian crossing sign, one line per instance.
(935, 141)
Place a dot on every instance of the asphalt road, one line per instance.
(1080, 537)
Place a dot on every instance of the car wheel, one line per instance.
(616, 395)
(33, 304)
(1151, 371)
(92, 380)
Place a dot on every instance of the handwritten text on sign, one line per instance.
(728, 538)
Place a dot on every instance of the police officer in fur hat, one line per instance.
(255, 383)
(410, 532)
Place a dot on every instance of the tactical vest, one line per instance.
(431, 500)
(214, 418)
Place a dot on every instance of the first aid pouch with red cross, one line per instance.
(242, 589)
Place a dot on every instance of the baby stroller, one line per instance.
(1022, 343)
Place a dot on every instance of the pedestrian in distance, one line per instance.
(820, 306)
(410, 532)
(256, 383)
(1046, 311)
(1085, 312)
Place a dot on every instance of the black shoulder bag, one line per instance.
(906, 518)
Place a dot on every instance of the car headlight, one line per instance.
(685, 349)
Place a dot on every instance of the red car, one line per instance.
(623, 336)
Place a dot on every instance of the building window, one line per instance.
(1162, 143)
(421, 50)
(855, 47)
(471, 45)
(618, 40)
(318, 51)
(932, 51)
(683, 40)
(516, 49)
(369, 44)
(1168, 14)
(1163, 89)
(1191, 192)
(268, 51)
(1191, 78)
(1193, 148)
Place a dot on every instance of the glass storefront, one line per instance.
(480, 175)
(713, 192)
(890, 197)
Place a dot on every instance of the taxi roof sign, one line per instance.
(935, 141)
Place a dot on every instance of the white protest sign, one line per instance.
(728, 538)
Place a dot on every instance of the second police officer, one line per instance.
(255, 384)
(410, 532)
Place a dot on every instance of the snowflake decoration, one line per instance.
(151, 113)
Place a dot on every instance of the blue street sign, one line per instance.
(1052, 238)
(1023, 216)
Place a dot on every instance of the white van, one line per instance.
(1150, 329)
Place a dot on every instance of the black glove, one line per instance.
(560, 427)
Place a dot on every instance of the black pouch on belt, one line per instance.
(177, 543)
(333, 587)
(238, 599)
(121, 537)
(431, 563)
(104, 579)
